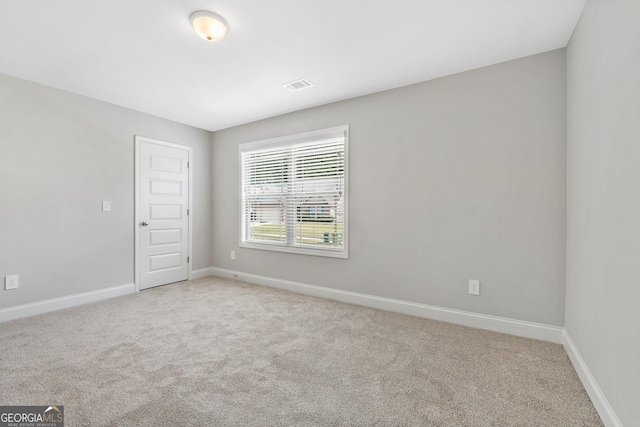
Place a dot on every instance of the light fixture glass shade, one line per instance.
(210, 26)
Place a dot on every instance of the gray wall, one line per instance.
(453, 179)
(603, 205)
(60, 156)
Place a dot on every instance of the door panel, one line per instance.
(165, 188)
(165, 262)
(165, 212)
(163, 236)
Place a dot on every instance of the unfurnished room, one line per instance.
(320, 213)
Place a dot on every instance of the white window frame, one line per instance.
(282, 142)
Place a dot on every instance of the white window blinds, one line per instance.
(293, 193)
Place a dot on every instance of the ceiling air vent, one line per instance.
(298, 84)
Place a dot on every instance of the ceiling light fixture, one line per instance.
(210, 26)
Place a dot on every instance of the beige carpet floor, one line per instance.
(216, 352)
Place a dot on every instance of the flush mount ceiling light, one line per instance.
(210, 26)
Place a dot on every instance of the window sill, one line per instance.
(343, 254)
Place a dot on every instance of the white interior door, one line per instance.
(162, 213)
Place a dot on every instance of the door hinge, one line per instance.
(187, 165)
(187, 211)
(187, 260)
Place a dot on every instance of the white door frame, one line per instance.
(138, 140)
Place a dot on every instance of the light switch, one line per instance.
(106, 206)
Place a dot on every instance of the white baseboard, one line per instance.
(199, 274)
(606, 412)
(482, 321)
(46, 306)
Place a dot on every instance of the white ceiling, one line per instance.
(143, 54)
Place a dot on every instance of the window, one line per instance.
(294, 193)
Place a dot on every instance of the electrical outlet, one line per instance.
(233, 255)
(11, 282)
(474, 287)
(106, 206)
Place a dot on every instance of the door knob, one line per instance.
(144, 223)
